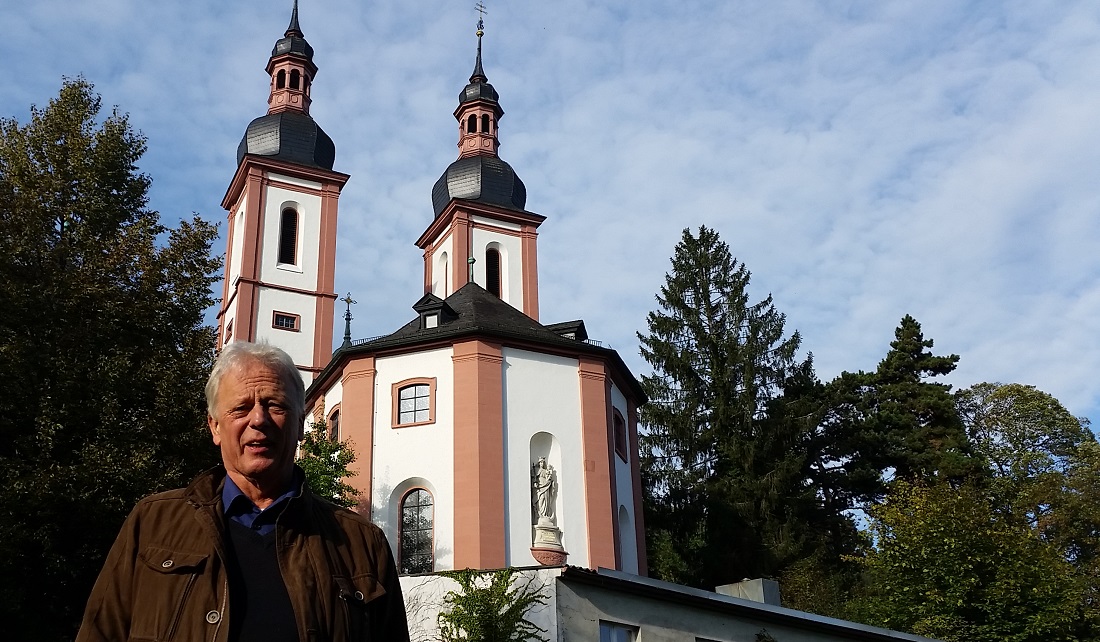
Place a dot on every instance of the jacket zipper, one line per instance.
(221, 610)
(179, 609)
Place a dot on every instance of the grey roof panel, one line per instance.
(289, 136)
(484, 179)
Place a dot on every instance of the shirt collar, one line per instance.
(235, 502)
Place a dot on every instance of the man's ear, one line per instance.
(302, 427)
(216, 434)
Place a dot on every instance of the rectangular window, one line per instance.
(620, 435)
(228, 332)
(286, 321)
(614, 632)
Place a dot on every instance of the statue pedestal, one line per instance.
(547, 549)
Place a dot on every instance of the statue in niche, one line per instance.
(544, 480)
(547, 547)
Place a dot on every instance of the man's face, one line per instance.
(255, 426)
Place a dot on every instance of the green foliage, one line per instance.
(893, 423)
(724, 446)
(103, 355)
(491, 606)
(325, 460)
(947, 565)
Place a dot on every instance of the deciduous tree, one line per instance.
(103, 353)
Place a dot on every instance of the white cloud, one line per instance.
(864, 159)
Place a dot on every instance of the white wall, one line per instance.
(624, 489)
(238, 242)
(303, 275)
(416, 455)
(542, 394)
(441, 284)
(511, 260)
(299, 345)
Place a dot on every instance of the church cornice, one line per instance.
(457, 207)
(252, 161)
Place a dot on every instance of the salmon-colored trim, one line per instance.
(225, 281)
(461, 233)
(636, 477)
(401, 520)
(530, 272)
(395, 391)
(326, 276)
(599, 509)
(429, 258)
(479, 535)
(251, 249)
(357, 398)
(444, 220)
(287, 288)
(294, 170)
(612, 465)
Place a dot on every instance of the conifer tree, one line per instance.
(723, 448)
(893, 423)
(103, 353)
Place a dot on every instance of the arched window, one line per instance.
(280, 79)
(415, 534)
(471, 124)
(334, 426)
(492, 271)
(620, 434)
(414, 404)
(485, 123)
(295, 79)
(288, 236)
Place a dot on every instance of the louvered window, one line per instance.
(288, 237)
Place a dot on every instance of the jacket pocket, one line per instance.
(356, 595)
(162, 585)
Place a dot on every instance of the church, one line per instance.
(484, 438)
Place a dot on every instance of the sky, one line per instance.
(864, 159)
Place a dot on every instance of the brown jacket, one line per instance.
(165, 578)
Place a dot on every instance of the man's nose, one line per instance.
(258, 415)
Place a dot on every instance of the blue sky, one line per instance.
(865, 159)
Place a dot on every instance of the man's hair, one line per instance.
(241, 352)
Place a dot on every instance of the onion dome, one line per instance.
(290, 136)
(479, 174)
(486, 179)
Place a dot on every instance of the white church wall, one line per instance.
(624, 490)
(419, 452)
(237, 251)
(511, 259)
(298, 344)
(302, 275)
(542, 395)
(443, 265)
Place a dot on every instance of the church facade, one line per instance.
(483, 437)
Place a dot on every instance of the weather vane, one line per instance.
(480, 7)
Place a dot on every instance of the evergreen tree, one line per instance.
(723, 447)
(103, 355)
(893, 423)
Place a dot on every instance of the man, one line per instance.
(245, 552)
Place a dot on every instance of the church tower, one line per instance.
(282, 202)
(481, 231)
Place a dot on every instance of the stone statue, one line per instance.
(544, 480)
(547, 546)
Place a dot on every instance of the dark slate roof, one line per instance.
(484, 179)
(289, 136)
(479, 89)
(477, 312)
(293, 41)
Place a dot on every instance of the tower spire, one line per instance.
(479, 72)
(294, 29)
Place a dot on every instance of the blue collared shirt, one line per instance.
(240, 508)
